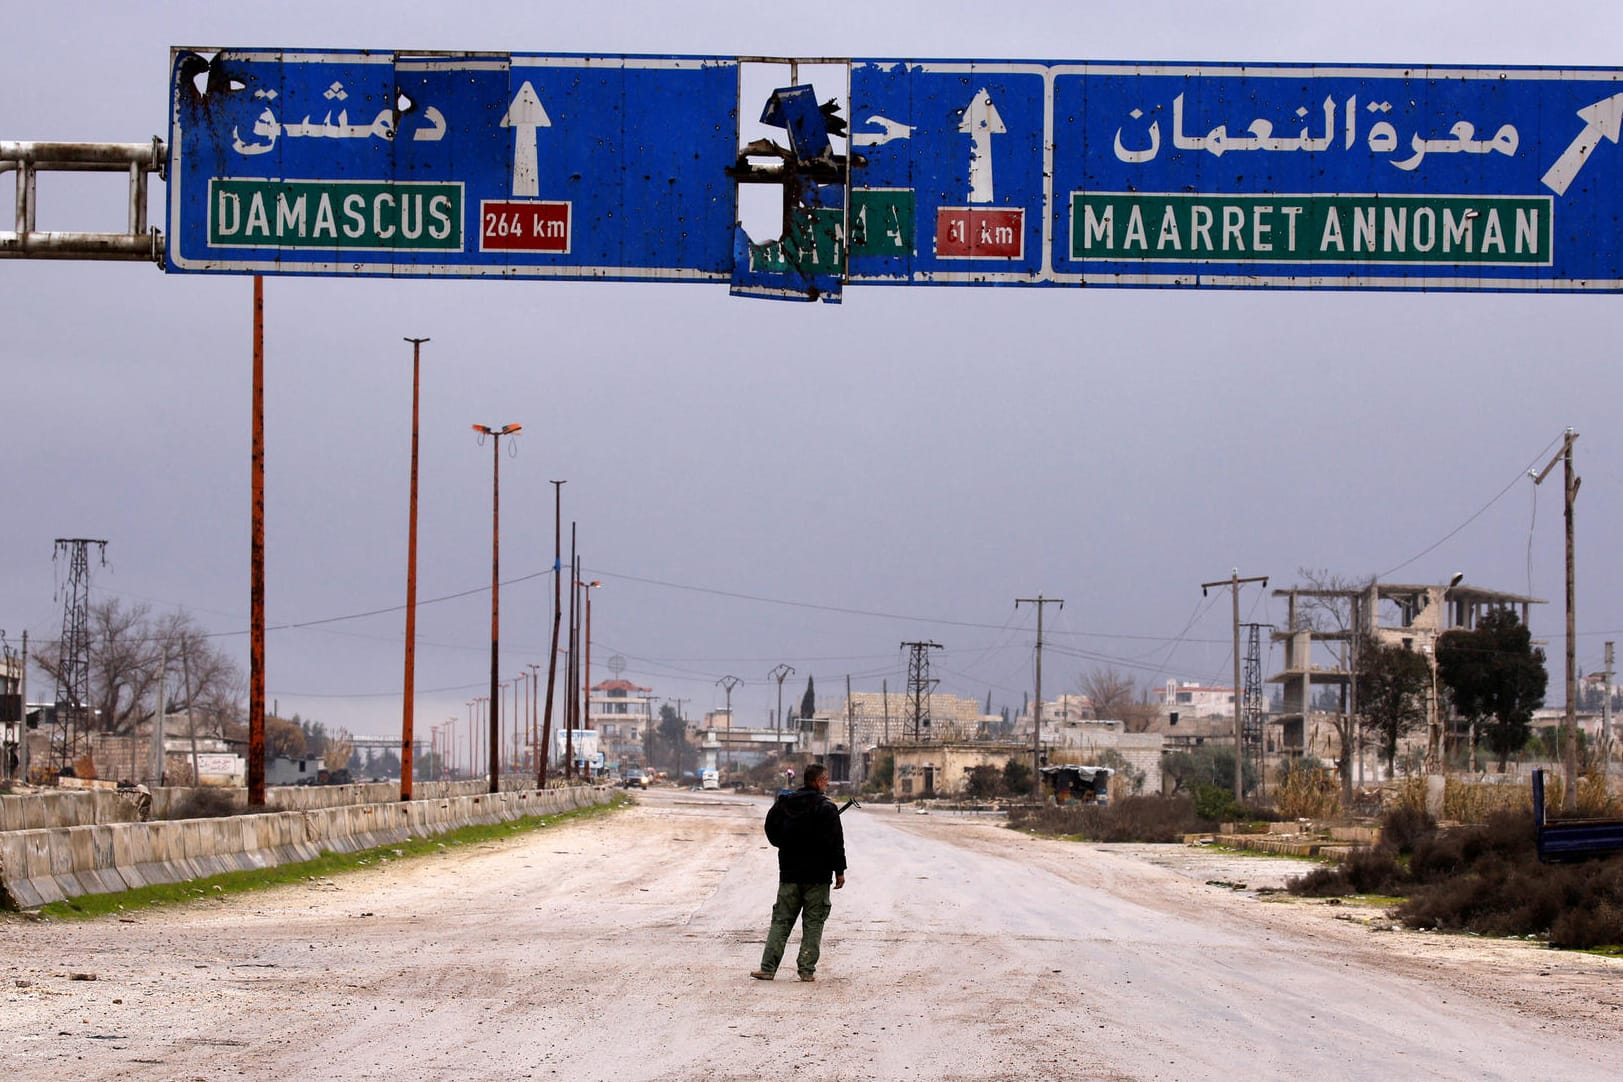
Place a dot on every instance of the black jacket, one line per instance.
(805, 827)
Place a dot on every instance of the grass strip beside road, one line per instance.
(92, 906)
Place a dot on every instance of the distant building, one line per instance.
(1192, 700)
(622, 713)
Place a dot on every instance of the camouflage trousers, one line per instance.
(808, 901)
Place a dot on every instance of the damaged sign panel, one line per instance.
(309, 162)
(1282, 176)
(1045, 173)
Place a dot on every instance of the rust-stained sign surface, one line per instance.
(1045, 173)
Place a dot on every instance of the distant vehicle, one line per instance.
(635, 780)
(709, 779)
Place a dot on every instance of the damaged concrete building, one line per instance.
(1324, 630)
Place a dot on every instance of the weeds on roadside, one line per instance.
(1131, 819)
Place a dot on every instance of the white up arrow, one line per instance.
(980, 123)
(1603, 120)
(526, 115)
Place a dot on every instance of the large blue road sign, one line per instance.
(312, 162)
(1237, 176)
(1046, 173)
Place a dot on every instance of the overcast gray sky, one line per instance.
(759, 482)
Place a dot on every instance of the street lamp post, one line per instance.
(727, 683)
(495, 435)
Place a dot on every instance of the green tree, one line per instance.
(884, 772)
(983, 782)
(1205, 765)
(1497, 678)
(668, 741)
(1017, 776)
(1392, 685)
(808, 702)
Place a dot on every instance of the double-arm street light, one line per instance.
(727, 683)
(495, 435)
(778, 674)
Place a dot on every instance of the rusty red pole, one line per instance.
(495, 741)
(256, 566)
(557, 616)
(409, 694)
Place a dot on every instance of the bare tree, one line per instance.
(1108, 690)
(1117, 696)
(130, 649)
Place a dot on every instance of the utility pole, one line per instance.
(408, 695)
(157, 719)
(1234, 582)
(1606, 726)
(1037, 714)
(571, 708)
(727, 683)
(1569, 728)
(850, 738)
(25, 759)
(495, 435)
(778, 674)
(682, 738)
(884, 701)
(535, 714)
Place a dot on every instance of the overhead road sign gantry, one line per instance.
(1045, 173)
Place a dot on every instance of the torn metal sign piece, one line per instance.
(807, 260)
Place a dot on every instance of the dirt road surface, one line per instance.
(619, 948)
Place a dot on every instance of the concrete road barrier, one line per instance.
(52, 864)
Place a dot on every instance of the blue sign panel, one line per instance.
(309, 162)
(1047, 173)
(1235, 176)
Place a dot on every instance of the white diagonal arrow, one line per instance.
(980, 123)
(525, 114)
(1603, 120)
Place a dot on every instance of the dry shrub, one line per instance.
(204, 802)
(1365, 871)
(1484, 878)
(1403, 826)
(1308, 794)
(1132, 819)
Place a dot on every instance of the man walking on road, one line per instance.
(804, 826)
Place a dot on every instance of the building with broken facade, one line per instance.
(1325, 628)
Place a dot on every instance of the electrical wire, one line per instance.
(1475, 515)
